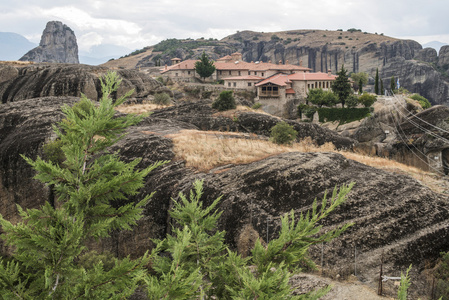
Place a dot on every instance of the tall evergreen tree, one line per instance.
(392, 84)
(91, 185)
(204, 67)
(341, 86)
(381, 87)
(376, 82)
(360, 86)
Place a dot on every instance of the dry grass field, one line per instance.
(206, 150)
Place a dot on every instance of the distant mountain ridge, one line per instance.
(13, 45)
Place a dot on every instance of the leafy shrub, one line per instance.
(367, 100)
(275, 38)
(161, 99)
(442, 277)
(352, 101)
(282, 133)
(343, 115)
(225, 101)
(422, 101)
(256, 105)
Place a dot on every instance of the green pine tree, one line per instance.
(204, 67)
(376, 82)
(341, 86)
(197, 263)
(92, 185)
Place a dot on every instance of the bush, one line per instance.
(206, 94)
(343, 115)
(225, 101)
(256, 105)
(161, 99)
(352, 101)
(422, 101)
(367, 100)
(282, 133)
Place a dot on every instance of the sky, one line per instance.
(139, 23)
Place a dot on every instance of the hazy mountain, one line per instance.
(102, 53)
(435, 45)
(13, 46)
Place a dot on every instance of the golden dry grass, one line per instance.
(139, 108)
(205, 150)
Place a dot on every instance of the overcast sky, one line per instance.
(139, 23)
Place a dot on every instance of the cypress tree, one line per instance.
(90, 183)
(376, 82)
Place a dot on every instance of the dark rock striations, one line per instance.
(392, 214)
(42, 80)
(57, 45)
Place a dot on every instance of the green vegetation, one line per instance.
(136, 52)
(198, 265)
(392, 83)
(204, 67)
(282, 133)
(256, 105)
(367, 99)
(360, 79)
(320, 97)
(425, 104)
(225, 101)
(352, 101)
(341, 86)
(404, 285)
(307, 110)
(275, 38)
(161, 99)
(376, 82)
(342, 115)
(354, 30)
(92, 187)
(170, 47)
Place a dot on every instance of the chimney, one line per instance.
(329, 72)
(280, 61)
(269, 61)
(286, 62)
(165, 66)
(300, 63)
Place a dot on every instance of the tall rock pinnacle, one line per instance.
(58, 45)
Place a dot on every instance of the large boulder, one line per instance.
(42, 80)
(392, 214)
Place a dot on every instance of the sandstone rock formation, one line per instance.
(419, 70)
(41, 80)
(393, 214)
(57, 45)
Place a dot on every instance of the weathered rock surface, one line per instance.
(42, 80)
(420, 70)
(57, 45)
(393, 214)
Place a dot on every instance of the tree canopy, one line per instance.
(204, 67)
(341, 86)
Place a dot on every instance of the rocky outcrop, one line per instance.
(42, 80)
(392, 214)
(57, 45)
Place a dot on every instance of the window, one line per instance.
(262, 74)
(240, 73)
(249, 72)
(176, 74)
(269, 91)
(229, 84)
(249, 83)
(219, 72)
(230, 72)
(235, 84)
(255, 73)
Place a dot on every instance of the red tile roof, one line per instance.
(279, 79)
(312, 76)
(290, 91)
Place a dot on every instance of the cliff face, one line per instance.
(419, 70)
(57, 45)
